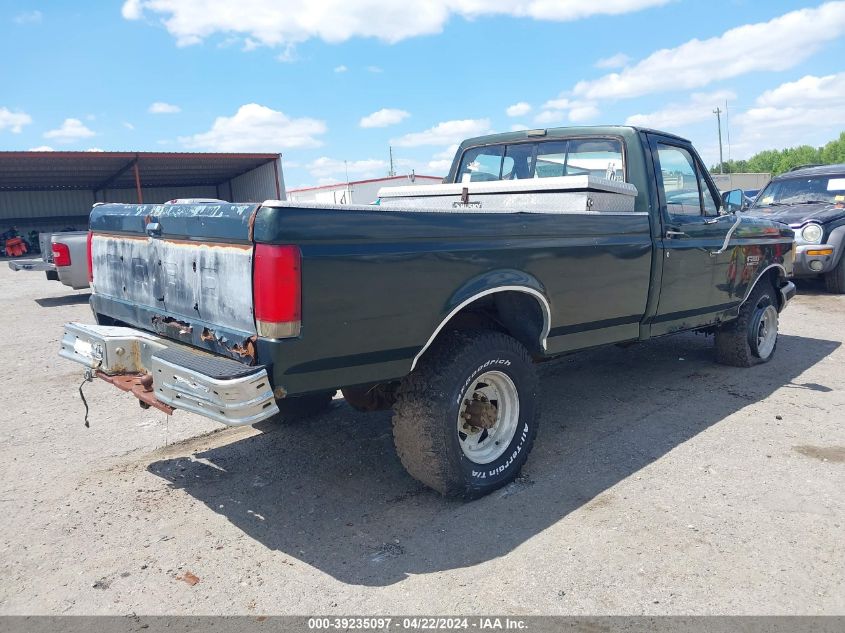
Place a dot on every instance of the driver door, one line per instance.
(692, 289)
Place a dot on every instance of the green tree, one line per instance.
(778, 161)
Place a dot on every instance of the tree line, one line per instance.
(778, 161)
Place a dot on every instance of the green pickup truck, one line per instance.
(438, 301)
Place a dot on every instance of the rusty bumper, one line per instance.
(168, 376)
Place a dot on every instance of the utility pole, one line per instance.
(348, 187)
(718, 113)
(392, 172)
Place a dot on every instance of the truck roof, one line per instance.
(560, 132)
(813, 170)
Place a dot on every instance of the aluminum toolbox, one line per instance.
(564, 194)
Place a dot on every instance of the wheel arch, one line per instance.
(509, 291)
(774, 273)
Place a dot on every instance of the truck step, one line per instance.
(216, 367)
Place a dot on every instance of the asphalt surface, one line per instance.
(660, 483)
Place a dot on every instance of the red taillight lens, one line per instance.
(90, 258)
(61, 255)
(277, 290)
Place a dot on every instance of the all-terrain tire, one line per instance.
(298, 408)
(429, 401)
(734, 344)
(835, 279)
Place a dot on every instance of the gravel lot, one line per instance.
(661, 483)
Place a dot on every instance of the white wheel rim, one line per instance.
(767, 332)
(485, 445)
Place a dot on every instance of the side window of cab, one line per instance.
(683, 183)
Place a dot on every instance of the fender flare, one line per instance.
(471, 292)
(837, 239)
(761, 274)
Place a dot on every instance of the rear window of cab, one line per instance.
(603, 158)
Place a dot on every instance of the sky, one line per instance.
(332, 84)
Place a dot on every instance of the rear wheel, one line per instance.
(302, 407)
(465, 419)
(752, 337)
(835, 279)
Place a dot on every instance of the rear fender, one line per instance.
(490, 283)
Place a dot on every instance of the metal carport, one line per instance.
(48, 191)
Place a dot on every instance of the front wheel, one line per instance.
(752, 337)
(835, 279)
(466, 418)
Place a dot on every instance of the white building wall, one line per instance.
(726, 182)
(257, 185)
(356, 192)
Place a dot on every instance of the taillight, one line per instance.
(277, 290)
(90, 258)
(61, 255)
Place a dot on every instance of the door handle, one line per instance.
(670, 234)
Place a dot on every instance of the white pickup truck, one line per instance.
(63, 258)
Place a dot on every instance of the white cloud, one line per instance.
(583, 111)
(619, 60)
(256, 127)
(442, 161)
(557, 104)
(806, 111)
(132, 10)
(827, 90)
(439, 166)
(71, 130)
(160, 107)
(519, 127)
(550, 117)
(94, 149)
(374, 69)
(776, 45)
(42, 148)
(384, 118)
(334, 169)
(277, 22)
(128, 125)
(447, 154)
(563, 109)
(28, 17)
(445, 133)
(340, 69)
(287, 56)
(13, 121)
(518, 109)
(699, 107)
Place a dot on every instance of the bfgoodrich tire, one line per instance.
(465, 419)
(751, 338)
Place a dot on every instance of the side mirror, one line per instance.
(733, 201)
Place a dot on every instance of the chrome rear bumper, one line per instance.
(31, 264)
(183, 378)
